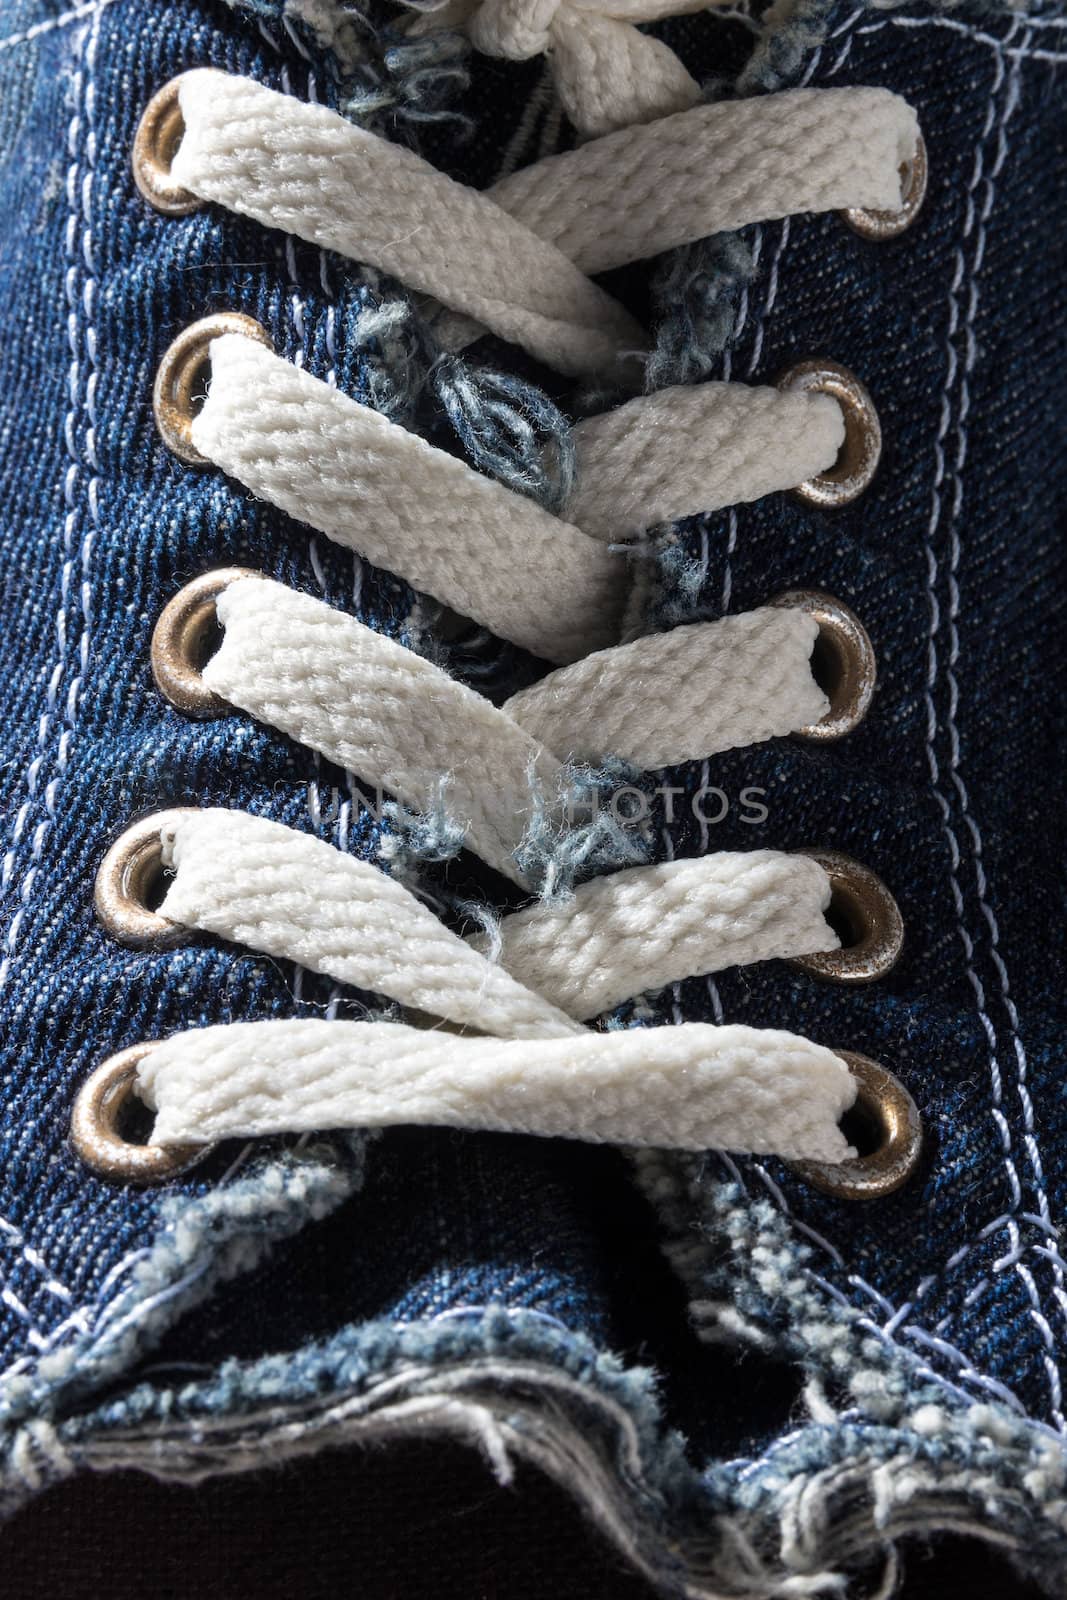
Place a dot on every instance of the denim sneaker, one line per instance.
(534, 608)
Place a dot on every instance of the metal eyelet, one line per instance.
(155, 144)
(880, 225)
(882, 1102)
(858, 459)
(864, 912)
(183, 372)
(95, 1123)
(180, 644)
(843, 662)
(125, 881)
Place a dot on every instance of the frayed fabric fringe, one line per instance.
(824, 1504)
(200, 1244)
(883, 1450)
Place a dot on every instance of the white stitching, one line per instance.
(13, 1303)
(35, 1259)
(90, 8)
(79, 192)
(898, 1316)
(964, 370)
(732, 520)
(772, 295)
(967, 1372)
(1029, 1138)
(85, 1317)
(1016, 53)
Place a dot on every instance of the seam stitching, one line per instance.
(34, 1259)
(898, 1316)
(75, 570)
(1023, 52)
(963, 368)
(90, 8)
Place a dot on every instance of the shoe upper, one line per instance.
(290, 1290)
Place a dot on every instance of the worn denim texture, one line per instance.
(512, 1289)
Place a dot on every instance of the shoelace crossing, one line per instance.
(493, 1033)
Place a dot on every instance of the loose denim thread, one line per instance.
(579, 836)
(509, 428)
(379, 72)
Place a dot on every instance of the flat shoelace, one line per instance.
(515, 261)
(375, 708)
(553, 586)
(286, 894)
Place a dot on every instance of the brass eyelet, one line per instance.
(882, 1100)
(858, 459)
(155, 144)
(183, 372)
(862, 905)
(843, 662)
(180, 642)
(95, 1135)
(880, 225)
(125, 879)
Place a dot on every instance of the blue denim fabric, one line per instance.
(304, 1291)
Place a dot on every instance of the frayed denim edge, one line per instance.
(201, 1242)
(826, 1500)
(883, 1449)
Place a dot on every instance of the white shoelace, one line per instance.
(607, 75)
(555, 587)
(288, 895)
(515, 261)
(375, 708)
(293, 896)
